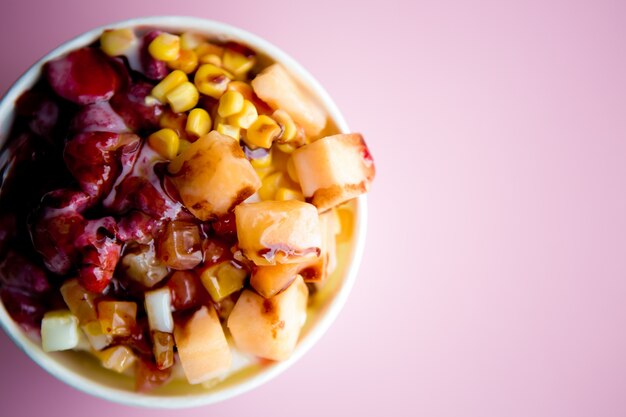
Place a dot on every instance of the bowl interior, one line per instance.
(81, 370)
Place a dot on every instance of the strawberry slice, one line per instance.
(84, 76)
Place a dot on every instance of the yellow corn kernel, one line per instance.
(237, 63)
(241, 87)
(182, 145)
(174, 121)
(262, 132)
(211, 80)
(230, 103)
(210, 59)
(183, 98)
(187, 61)
(165, 47)
(166, 142)
(291, 171)
(262, 161)
(287, 124)
(198, 122)
(287, 148)
(116, 42)
(167, 84)
(270, 185)
(245, 117)
(284, 194)
(207, 48)
(229, 130)
(190, 40)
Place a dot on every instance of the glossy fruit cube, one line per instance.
(163, 349)
(142, 266)
(159, 310)
(223, 279)
(117, 318)
(117, 358)
(59, 331)
(82, 303)
(181, 247)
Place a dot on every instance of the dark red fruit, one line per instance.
(138, 227)
(26, 309)
(42, 112)
(148, 376)
(16, 271)
(96, 159)
(98, 117)
(226, 228)
(131, 105)
(84, 76)
(186, 289)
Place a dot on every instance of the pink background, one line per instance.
(494, 278)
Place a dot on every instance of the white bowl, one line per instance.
(81, 371)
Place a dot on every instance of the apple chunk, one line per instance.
(334, 169)
(212, 176)
(269, 328)
(278, 89)
(202, 346)
(272, 232)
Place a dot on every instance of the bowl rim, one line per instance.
(92, 387)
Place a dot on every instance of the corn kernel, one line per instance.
(270, 185)
(262, 161)
(116, 42)
(211, 59)
(165, 142)
(262, 132)
(230, 103)
(229, 130)
(211, 80)
(173, 80)
(183, 98)
(182, 145)
(291, 171)
(207, 48)
(287, 148)
(165, 47)
(245, 117)
(284, 194)
(241, 87)
(187, 61)
(190, 40)
(287, 124)
(174, 121)
(198, 122)
(237, 63)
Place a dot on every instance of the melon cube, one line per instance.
(202, 346)
(277, 88)
(117, 318)
(269, 280)
(334, 169)
(117, 358)
(223, 279)
(213, 175)
(59, 331)
(269, 328)
(272, 232)
(82, 303)
(95, 336)
(158, 305)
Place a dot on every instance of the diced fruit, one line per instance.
(117, 318)
(245, 117)
(269, 328)
(96, 337)
(59, 331)
(142, 266)
(138, 227)
(81, 302)
(165, 142)
(230, 103)
(116, 42)
(117, 358)
(163, 349)
(276, 87)
(180, 247)
(211, 80)
(334, 169)
(273, 232)
(213, 175)
(223, 279)
(262, 132)
(167, 84)
(186, 290)
(159, 310)
(202, 347)
(198, 122)
(165, 47)
(84, 76)
(269, 280)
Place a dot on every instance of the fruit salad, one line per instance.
(169, 201)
